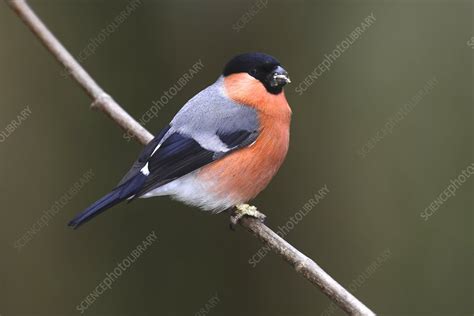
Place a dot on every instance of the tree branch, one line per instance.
(302, 264)
(101, 100)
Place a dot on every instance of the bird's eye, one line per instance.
(253, 72)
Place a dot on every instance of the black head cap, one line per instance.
(263, 67)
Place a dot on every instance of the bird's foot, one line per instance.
(242, 210)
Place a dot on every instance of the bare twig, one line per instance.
(101, 100)
(302, 264)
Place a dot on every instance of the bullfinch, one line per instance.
(221, 149)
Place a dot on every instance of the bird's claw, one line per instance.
(242, 210)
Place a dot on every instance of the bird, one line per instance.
(220, 150)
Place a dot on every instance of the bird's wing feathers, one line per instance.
(207, 128)
(177, 156)
(144, 156)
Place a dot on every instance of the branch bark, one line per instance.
(101, 100)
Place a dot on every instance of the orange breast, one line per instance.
(241, 175)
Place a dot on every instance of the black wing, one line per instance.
(144, 156)
(180, 154)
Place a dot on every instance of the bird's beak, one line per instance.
(279, 77)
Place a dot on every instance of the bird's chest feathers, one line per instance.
(271, 146)
(274, 115)
(247, 171)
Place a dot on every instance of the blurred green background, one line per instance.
(374, 203)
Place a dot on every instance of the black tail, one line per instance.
(120, 193)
